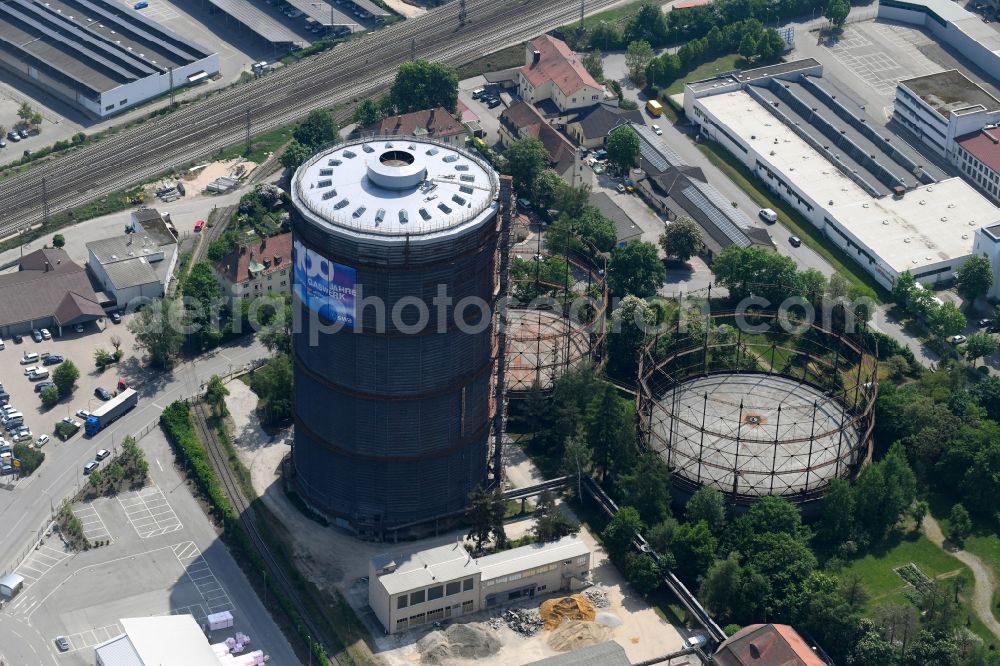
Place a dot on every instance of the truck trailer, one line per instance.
(111, 411)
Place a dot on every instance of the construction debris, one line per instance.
(597, 597)
(576, 634)
(576, 607)
(525, 621)
(459, 641)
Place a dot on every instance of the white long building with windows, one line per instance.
(446, 582)
(865, 192)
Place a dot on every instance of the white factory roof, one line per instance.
(530, 556)
(967, 22)
(165, 640)
(396, 186)
(929, 224)
(452, 562)
(426, 567)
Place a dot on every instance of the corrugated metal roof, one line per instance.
(528, 557)
(608, 653)
(131, 273)
(118, 651)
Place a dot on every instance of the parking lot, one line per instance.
(164, 557)
(72, 346)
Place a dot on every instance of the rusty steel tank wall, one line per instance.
(393, 427)
(755, 414)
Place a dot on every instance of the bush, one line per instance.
(31, 458)
(65, 430)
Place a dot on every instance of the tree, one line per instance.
(837, 12)
(623, 147)
(620, 532)
(647, 488)
(636, 269)
(643, 572)
(65, 377)
(947, 320)
(551, 524)
(157, 330)
(722, 588)
(974, 278)
(318, 129)
(24, 112)
(545, 188)
(903, 289)
(681, 239)
(593, 64)
(58, 241)
(637, 56)
(273, 385)
(215, 395)
(610, 431)
(102, 358)
(31, 458)
(770, 46)
(748, 47)
(980, 345)
(959, 524)
(694, 549)
(421, 85)
(203, 301)
(709, 505)
(576, 460)
(486, 511)
(897, 366)
(96, 479)
(632, 321)
(367, 113)
(754, 270)
(294, 155)
(820, 609)
(526, 157)
(49, 396)
(837, 515)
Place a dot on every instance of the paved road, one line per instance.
(24, 509)
(982, 597)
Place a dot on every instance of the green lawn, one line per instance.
(512, 56)
(725, 63)
(809, 234)
(613, 15)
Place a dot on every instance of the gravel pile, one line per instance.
(598, 597)
(459, 641)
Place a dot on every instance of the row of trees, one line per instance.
(418, 85)
(318, 129)
(942, 318)
(126, 470)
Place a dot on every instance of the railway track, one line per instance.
(350, 71)
(220, 461)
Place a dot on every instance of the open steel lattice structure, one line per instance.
(746, 406)
(555, 316)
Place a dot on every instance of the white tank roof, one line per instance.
(395, 187)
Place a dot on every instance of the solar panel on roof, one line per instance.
(718, 218)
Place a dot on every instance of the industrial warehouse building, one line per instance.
(136, 266)
(864, 188)
(393, 412)
(99, 56)
(445, 582)
(168, 640)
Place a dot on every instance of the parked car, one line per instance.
(41, 441)
(29, 357)
(983, 323)
(620, 188)
(116, 318)
(199, 225)
(45, 334)
(795, 241)
(39, 373)
(72, 421)
(82, 413)
(31, 369)
(493, 103)
(957, 339)
(2, 345)
(102, 393)
(659, 132)
(102, 454)
(62, 643)
(13, 136)
(36, 335)
(24, 437)
(90, 467)
(53, 359)
(17, 339)
(41, 386)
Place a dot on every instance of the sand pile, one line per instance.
(576, 634)
(576, 607)
(459, 641)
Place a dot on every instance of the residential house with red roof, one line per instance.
(767, 645)
(262, 268)
(434, 123)
(553, 72)
(522, 120)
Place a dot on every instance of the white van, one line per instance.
(39, 373)
(29, 357)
